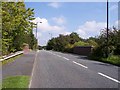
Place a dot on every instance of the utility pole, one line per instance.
(107, 28)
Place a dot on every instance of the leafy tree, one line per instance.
(74, 37)
(16, 26)
(63, 42)
(81, 43)
(113, 45)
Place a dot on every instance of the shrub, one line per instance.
(115, 59)
(69, 48)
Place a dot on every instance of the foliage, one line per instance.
(69, 48)
(81, 43)
(113, 45)
(63, 42)
(115, 59)
(16, 26)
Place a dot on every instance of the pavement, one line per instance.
(61, 70)
(21, 66)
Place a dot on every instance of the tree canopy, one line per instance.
(17, 26)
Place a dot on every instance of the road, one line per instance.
(60, 70)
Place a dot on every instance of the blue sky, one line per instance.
(85, 18)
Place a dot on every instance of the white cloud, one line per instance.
(44, 28)
(90, 28)
(59, 20)
(113, 7)
(117, 24)
(54, 4)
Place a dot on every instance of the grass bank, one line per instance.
(114, 59)
(16, 82)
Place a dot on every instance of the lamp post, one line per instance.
(36, 28)
(36, 33)
(50, 35)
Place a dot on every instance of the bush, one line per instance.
(114, 59)
(69, 48)
(81, 43)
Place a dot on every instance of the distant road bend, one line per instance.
(59, 70)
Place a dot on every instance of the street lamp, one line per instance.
(36, 28)
(50, 35)
(36, 32)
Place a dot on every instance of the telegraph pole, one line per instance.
(107, 28)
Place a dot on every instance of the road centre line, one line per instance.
(80, 64)
(65, 58)
(52, 53)
(108, 77)
(62, 57)
(59, 56)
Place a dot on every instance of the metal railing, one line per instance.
(8, 57)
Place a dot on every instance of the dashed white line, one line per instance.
(80, 64)
(38, 50)
(59, 56)
(108, 77)
(53, 53)
(65, 58)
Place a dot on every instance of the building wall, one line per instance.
(82, 50)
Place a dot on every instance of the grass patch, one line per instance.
(114, 59)
(11, 59)
(16, 82)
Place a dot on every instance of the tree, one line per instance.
(16, 26)
(81, 43)
(74, 37)
(63, 42)
(113, 46)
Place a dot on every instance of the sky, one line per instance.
(85, 18)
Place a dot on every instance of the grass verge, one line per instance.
(16, 82)
(114, 59)
(11, 59)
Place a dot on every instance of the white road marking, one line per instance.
(53, 53)
(38, 50)
(59, 56)
(49, 52)
(65, 58)
(108, 77)
(80, 64)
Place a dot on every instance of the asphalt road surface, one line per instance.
(60, 70)
(21, 66)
